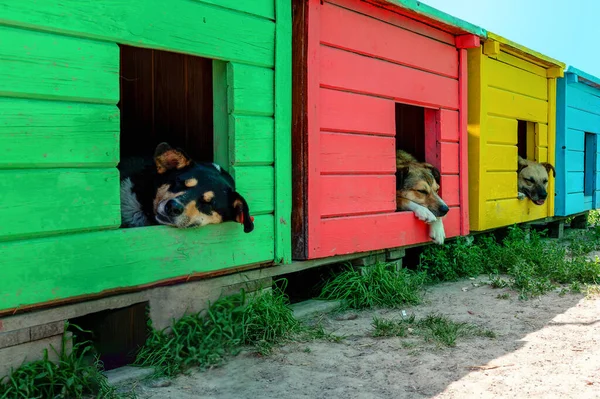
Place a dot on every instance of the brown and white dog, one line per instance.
(533, 180)
(172, 189)
(417, 186)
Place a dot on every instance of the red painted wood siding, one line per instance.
(362, 60)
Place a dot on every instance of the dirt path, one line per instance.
(545, 348)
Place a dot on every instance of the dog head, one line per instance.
(419, 182)
(191, 194)
(533, 179)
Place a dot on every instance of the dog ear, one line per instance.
(242, 212)
(168, 158)
(549, 168)
(401, 175)
(522, 164)
(435, 172)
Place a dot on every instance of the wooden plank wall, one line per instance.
(508, 96)
(59, 138)
(578, 124)
(355, 79)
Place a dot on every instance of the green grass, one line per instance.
(432, 328)
(72, 376)
(205, 339)
(533, 266)
(380, 285)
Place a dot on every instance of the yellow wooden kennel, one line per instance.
(512, 111)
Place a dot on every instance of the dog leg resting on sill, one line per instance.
(436, 226)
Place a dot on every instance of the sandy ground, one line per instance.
(545, 348)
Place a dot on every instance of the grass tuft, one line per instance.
(72, 376)
(533, 266)
(432, 328)
(380, 285)
(205, 339)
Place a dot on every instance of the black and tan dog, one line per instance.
(417, 186)
(533, 180)
(172, 189)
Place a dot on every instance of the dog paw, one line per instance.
(521, 196)
(437, 233)
(425, 215)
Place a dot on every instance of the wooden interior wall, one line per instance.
(165, 96)
(410, 130)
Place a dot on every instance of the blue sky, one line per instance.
(568, 31)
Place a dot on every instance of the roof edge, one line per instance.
(451, 22)
(526, 51)
(590, 80)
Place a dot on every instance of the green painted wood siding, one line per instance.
(59, 141)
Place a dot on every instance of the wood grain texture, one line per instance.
(261, 8)
(250, 90)
(516, 106)
(515, 80)
(575, 182)
(500, 157)
(50, 134)
(371, 232)
(450, 127)
(257, 185)
(501, 130)
(299, 131)
(463, 121)
(348, 195)
(384, 41)
(61, 267)
(582, 99)
(313, 166)
(356, 153)
(583, 121)
(396, 19)
(251, 140)
(44, 66)
(348, 112)
(476, 117)
(221, 127)
(283, 126)
(450, 158)
(450, 190)
(42, 202)
(344, 70)
(501, 185)
(183, 26)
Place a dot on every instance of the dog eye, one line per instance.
(530, 181)
(424, 192)
(545, 181)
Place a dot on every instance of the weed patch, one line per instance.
(205, 339)
(532, 265)
(380, 285)
(432, 328)
(72, 376)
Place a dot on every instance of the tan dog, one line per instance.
(533, 180)
(417, 186)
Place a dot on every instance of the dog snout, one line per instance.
(443, 210)
(173, 208)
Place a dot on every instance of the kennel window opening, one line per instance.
(165, 96)
(589, 175)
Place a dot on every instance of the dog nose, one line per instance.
(173, 208)
(443, 210)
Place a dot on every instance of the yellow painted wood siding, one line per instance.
(504, 88)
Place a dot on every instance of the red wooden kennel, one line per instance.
(370, 76)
